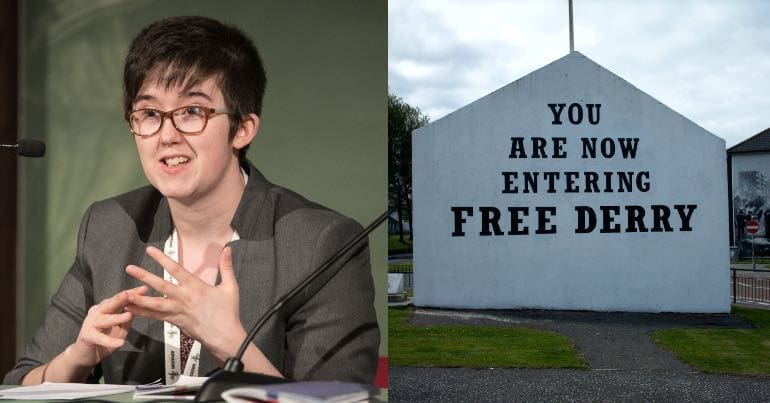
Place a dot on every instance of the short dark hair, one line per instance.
(189, 50)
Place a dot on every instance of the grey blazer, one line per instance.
(331, 335)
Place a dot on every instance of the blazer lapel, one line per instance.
(161, 230)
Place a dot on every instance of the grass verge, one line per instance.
(396, 246)
(724, 351)
(475, 346)
(761, 263)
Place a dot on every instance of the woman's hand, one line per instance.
(209, 314)
(105, 328)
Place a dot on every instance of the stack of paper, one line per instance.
(183, 389)
(300, 392)
(63, 391)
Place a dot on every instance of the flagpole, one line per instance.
(571, 31)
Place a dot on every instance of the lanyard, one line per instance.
(171, 334)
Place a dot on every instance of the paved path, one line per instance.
(625, 363)
(561, 385)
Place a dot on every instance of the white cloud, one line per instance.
(709, 60)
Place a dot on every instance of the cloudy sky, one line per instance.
(708, 59)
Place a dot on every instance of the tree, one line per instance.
(402, 120)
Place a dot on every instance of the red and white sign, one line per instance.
(752, 227)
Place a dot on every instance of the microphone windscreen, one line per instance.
(30, 148)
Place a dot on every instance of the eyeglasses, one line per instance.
(189, 119)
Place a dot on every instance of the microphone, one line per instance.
(26, 148)
(232, 375)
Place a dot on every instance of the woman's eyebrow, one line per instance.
(144, 97)
(186, 95)
(194, 94)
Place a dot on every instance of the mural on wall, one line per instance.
(751, 203)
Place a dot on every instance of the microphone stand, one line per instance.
(232, 374)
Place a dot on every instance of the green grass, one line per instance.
(761, 263)
(724, 351)
(476, 346)
(394, 245)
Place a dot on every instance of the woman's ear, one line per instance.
(247, 131)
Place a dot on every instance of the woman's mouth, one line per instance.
(175, 161)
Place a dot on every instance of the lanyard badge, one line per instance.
(172, 335)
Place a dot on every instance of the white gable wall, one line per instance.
(458, 161)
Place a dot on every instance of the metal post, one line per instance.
(734, 285)
(753, 262)
(571, 30)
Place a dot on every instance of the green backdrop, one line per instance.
(323, 129)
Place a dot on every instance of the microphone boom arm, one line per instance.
(232, 374)
(234, 364)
